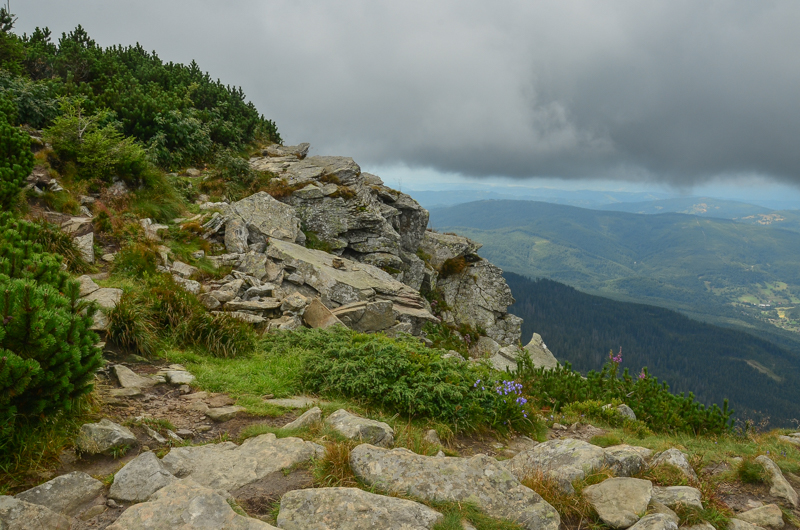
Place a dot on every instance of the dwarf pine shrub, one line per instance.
(16, 158)
(47, 351)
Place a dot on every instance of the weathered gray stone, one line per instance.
(432, 437)
(140, 478)
(129, 379)
(677, 459)
(779, 486)
(190, 286)
(656, 521)
(769, 516)
(619, 501)
(366, 316)
(790, 439)
(299, 151)
(152, 229)
(442, 247)
(183, 269)
(308, 418)
(738, 524)
(125, 392)
(565, 461)
(626, 460)
(267, 218)
(353, 509)
(672, 496)
(480, 480)
(295, 402)
(236, 234)
(85, 245)
(626, 412)
(65, 494)
(699, 526)
(87, 285)
(253, 264)
(294, 303)
(77, 226)
(106, 298)
(357, 428)
(185, 505)
(228, 466)
(657, 507)
(484, 347)
(103, 437)
(179, 377)
(265, 305)
(221, 414)
(16, 514)
(208, 301)
(540, 354)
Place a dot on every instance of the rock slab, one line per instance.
(140, 478)
(65, 494)
(16, 514)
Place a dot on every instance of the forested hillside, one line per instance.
(712, 269)
(715, 363)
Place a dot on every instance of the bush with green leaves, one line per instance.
(47, 350)
(403, 376)
(16, 158)
(651, 401)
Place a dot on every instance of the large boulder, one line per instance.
(298, 151)
(185, 505)
(227, 466)
(353, 509)
(619, 501)
(479, 480)
(104, 436)
(65, 494)
(365, 430)
(267, 218)
(564, 461)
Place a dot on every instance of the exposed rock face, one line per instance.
(619, 501)
(264, 217)
(228, 466)
(480, 480)
(357, 428)
(65, 494)
(185, 505)
(103, 437)
(352, 508)
(565, 461)
(140, 478)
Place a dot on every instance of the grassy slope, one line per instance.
(700, 266)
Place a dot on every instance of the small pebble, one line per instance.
(111, 503)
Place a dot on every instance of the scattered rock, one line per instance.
(220, 414)
(87, 285)
(228, 466)
(656, 521)
(626, 412)
(317, 315)
(299, 151)
(480, 480)
(619, 501)
(353, 509)
(66, 494)
(133, 391)
(672, 496)
(626, 460)
(308, 418)
(103, 437)
(129, 379)
(140, 478)
(432, 437)
(267, 218)
(657, 507)
(85, 245)
(16, 514)
(779, 486)
(183, 269)
(565, 461)
(236, 234)
(677, 459)
(185, 505)
(366, 316)
(179, 377)
(769, 516)
(296, 402)
(357, 428)
(738, 524)
(154, 435)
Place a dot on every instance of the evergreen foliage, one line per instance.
(47, 352)
(16, 158)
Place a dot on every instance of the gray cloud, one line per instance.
(678, 91)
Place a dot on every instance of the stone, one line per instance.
(236, 234)
(317, 315)
(432, 437)
(484, 347)
(656, 521)
(779, 486)
(677, 459)
(267, 218)
(179, 377)
(221, 414)
(565, 461)
(479, 480)
(365, 430)
(140, 478)
(154, 435)
(541, 356)
(619, 501)
(87, 285)
(103, 437)
(106, 297)
(109, 257)
(151, 229)
(672, 496)
(129, 379)
(94, 511)
(442, 247)
(16, 514)
(366, 316)
(244, 317)
(133, 391)
(626, 460)
(294, 303)
(769, 516)
(790, 439)
(299, 151)
(626, 412)
(308, 418)
(65, 494)
(253, 264)
(657, 507)
(185, 505)
(295, 402)
(77, 226)
(228, 466)
(184, 270)
(739, 524)
(353, 509)
(192, 172)
(208, 301)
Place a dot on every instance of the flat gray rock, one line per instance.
(65, 494)
(656, 521)
(355, 427)
(106, 297)
(267, 218)
(294, 402)
(352, 509)
(140, 478)
(677, 459)
(87, 285)
(220, 414)
(739, 524)
(16, 514)
(769, 516)
(672, 496)
(480, 480)
(317, 315)
(85, 245)
(228, 466)
(565, 461)
(129, 379)
(103, 437)
(779, 486)
(185, 505)
(179, 377)
(619, 501)
(308, 418)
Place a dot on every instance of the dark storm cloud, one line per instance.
(679, 91)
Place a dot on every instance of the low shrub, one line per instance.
(16, 158)
(750, 472)
(453, 266)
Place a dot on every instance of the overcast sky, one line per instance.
(679, 91)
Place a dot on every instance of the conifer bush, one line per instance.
(47, 351)
(16, 158)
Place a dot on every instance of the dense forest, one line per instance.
(758, 377)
